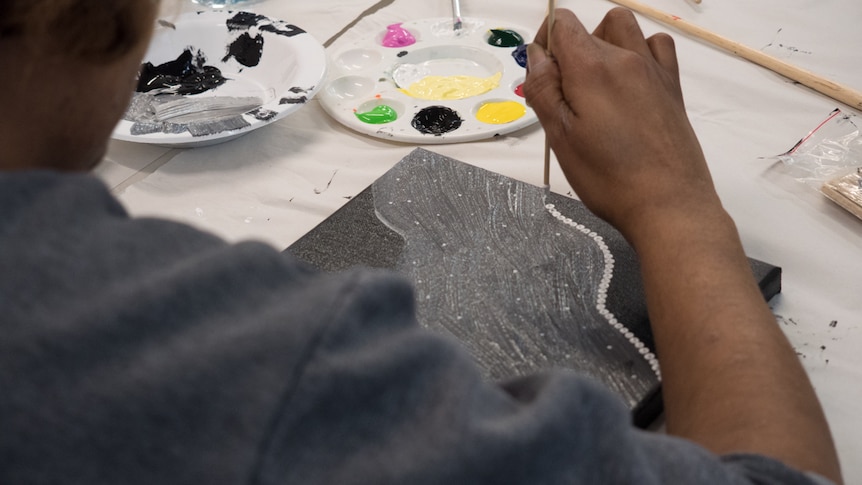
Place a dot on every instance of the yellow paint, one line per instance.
(502, 112)
(451, 87)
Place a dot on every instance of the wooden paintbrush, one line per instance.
(547, 173)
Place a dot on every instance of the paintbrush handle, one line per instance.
(820, 84)
(552, 6)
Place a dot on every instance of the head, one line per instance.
(67, 71)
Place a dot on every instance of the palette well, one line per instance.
(212, 76)
(425, 82)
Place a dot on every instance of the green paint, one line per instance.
(379, 115)
(505, 38)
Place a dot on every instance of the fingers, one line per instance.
(542, 87)
(663, 50)
(620, 28)
(567, 30)
(572, 48)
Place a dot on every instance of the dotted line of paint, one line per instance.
(605, 283)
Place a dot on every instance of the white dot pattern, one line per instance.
(605, 283)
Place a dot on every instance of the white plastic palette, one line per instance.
(286, 68)
(367, 75)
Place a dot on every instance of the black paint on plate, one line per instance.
(246, 49)
(187, 74)
(247, 20)
(436, 120)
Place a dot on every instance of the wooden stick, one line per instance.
(547, 173)
(846, 191)
(822, 85)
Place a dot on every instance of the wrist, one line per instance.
(682, 219)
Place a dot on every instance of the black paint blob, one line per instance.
(187, 74)
(297, 100)
(263, 114)
(244, 21)
(287, 30)
(401, 54)
(247, 20)
(436, 120)
(246, 49)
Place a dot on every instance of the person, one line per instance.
(145, 351)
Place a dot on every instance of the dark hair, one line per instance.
(100, 30)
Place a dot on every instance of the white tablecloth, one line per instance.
(279, 181)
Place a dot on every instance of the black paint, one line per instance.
(244, 21)
(247, 20)
(187, 74)
(287, 30)
(401, 54)
(246, 49)
(263, 114)
(302, 98)
(296, 100)
(436, 120)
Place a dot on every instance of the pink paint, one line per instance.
(396, 36)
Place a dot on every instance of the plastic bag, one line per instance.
(829, 159)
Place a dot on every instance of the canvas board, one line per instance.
(526, 280)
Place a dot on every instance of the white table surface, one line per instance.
(278, 182)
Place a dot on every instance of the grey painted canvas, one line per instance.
(527, 281)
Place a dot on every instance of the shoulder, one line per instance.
(120, 333)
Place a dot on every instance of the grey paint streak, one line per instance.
(142, 112)
(493, 268)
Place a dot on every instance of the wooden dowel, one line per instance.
(546, 178)
(820, 84)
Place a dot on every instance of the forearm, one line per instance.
(731, 380)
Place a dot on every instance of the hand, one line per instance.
(612, 107)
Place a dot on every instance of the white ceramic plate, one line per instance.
(369, 78)
(270, 66)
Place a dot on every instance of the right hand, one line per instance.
(612, 107)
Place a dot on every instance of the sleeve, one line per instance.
(384, 401)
